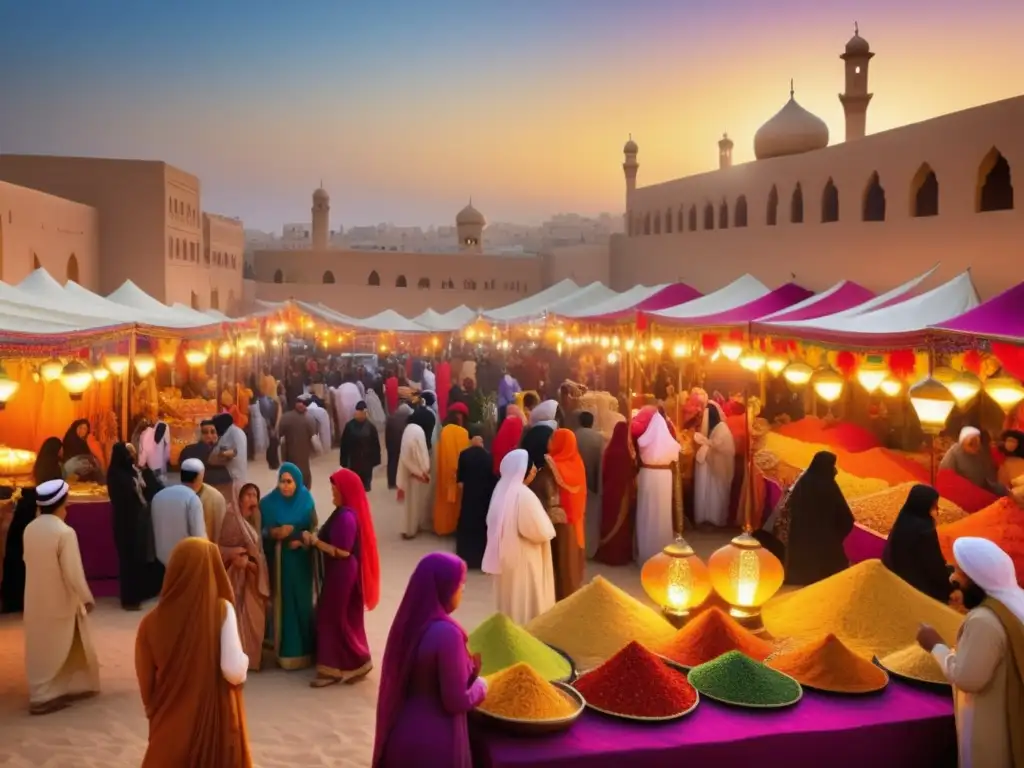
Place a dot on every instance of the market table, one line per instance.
(93, 522)
(863, 544)
(902, 726)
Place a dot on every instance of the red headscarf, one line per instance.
(391, 393)
(565, 455)
(443, 376)
(507, 439)
(617, 503)
(353, 496)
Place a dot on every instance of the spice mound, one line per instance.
(637, 683)
(878, 511)
(595, 622)
(871, 609)
(1001, 522)
(828, 665)
(519, 693)
(501, 643)
(708, 636)
(916, 663)
(737, 679)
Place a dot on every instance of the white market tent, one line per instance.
(452, 320)
(737, 293)
(587, 296)
(620, 302)
(532, 306)
(153, 312)
(389, 321)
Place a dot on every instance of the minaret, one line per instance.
(630, 167)
(725, 152)
(855, 98)
(321, 218)
(470, 223)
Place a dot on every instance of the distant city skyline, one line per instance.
(405, 110)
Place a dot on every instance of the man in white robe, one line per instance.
(654, 526)
(348, 398)
(413, 481)
(60, 661)
(987, 667)
(715, 467)
(519, 534)
(322, 420)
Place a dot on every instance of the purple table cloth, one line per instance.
(93, 522)
(901, 727)
(863, 544)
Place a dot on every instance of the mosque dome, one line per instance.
(857, 46)
(470, 217)
(321, 194)
(630, 148)
(791, 131)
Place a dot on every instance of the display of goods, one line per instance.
(596, 621)
(80, 491)
(502, 643)
(710, 634)
(962, 491)
(867, 606)
(878, 511)
(828, 665)
(637, 683)
(14, 461)
(838, 434)
(916, 663)
(519, 693)
(799, 455)
(177, 407)
(1001, 522)
(735, 678)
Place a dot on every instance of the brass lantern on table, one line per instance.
(677, 580)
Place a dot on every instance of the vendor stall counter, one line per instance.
(92, 518)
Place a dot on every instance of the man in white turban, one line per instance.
(987, 667)
(969, 459)
(546, 413)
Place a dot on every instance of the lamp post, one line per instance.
(932, 402)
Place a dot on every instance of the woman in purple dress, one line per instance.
(351, 581)
(429, 680)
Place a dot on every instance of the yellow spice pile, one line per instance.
(878, 511)
(914, 661)
(799, 454)
(597, 621)
(520, 693)
(867, 606)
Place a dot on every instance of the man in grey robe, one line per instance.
(969, 459)
(591, 445)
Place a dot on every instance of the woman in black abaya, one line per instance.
(912, 550)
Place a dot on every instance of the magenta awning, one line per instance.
(1000, 318)
(842, 296)
(670, 296)
(781, 298)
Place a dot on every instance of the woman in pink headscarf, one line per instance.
(510, 433)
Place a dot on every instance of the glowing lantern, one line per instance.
(964, 388)
(225, 350)
(629, 345)
(435, 342)
(932, 403)
(470, 334)
(116, 364)
(732, 350)
(75, 378)
(144, 365)
(1006, 391)
(676, 579)
(872, 373)
(798, 374)
(8, 387)
(657, 345)
(680, 350)
(753, 361)
(745, 575)
(613, 358)
(776, 365)
(51, 370)
(383, 347)
(168, 355)
(100, 374)
(944, 374)
(605, 342)
(891, 387)
(828, 384)
(196, 357)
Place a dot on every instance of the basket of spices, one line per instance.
(914, 664)
(708, 636)
(522, 702)
(636, 684)
(828, 665)
(502, 643)
(740, 681)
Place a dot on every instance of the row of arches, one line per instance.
(423, 283)
(71, 271)
(993, 192)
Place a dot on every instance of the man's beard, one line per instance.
(972, 595)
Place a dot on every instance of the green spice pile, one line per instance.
(738, 679)
(502, 643)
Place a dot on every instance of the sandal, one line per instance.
(47, 707)
(359, 676)
(323, 682)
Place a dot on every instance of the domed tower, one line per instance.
(855, 98)
(725, 151)
(791, 131)
(630, 167)
(470, 224)
(321, 218)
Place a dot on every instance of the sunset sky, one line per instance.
(405, 109)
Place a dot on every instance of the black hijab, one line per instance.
(121, 464)
(12, 585)
(912, 550)
(222, 422)
(715, 418)
(124, 482)
(47, 466)
(1019, 437)
(424, 418)
(75, 445)
(159, 431)
(535, 442)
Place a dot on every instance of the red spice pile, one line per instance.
(708, 636)
(1001, 522)
(637, 683)
(962, 491)
(838, 434)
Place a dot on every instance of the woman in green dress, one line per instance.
(286, 513)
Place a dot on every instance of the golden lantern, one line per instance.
(613, 358)
(75, 378)
(745, 575)
(100, 374)
(629, 345)
(616, 341)
(657, 345)
(8, 387)
(680, 350)
(798, 374)
(944, 374)
(732, 350)
(828, 384)
(51, 370)
(872, 373)
(964, 388)
(776, 365)
(676, 579)
(470, 334)
(932, 403)
(116, 364)
(168, 355)
(605, 342)
(145, 364)
(891, 387)
(225, 350)
(753, 361)
(1005, 390)
(197, 357)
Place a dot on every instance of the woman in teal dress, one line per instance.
(287, 512)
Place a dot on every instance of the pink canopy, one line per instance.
(670, 296)
(775, 301)
(1000, 318)
(843, 295)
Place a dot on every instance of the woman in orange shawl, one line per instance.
(570, 475)
(190, 666)
(454, 440)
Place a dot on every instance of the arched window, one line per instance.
(214, 299)
(647, 223)
(170, 247)
(195, 300)
(693, 218)
(668, 222)
(796, 205)
(374, 278)
(401, 282)
(657, 222)
(328, 277)
(772, 215)
(829, 202)
(35, 262)
(680, 220)
(995, 187)
(72, 270)
(924, 193)
(739, 215)
(278, 276)
(709, 216)
(874, 200)
(424, 282)
(723, 215)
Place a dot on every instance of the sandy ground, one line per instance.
(290, 724)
